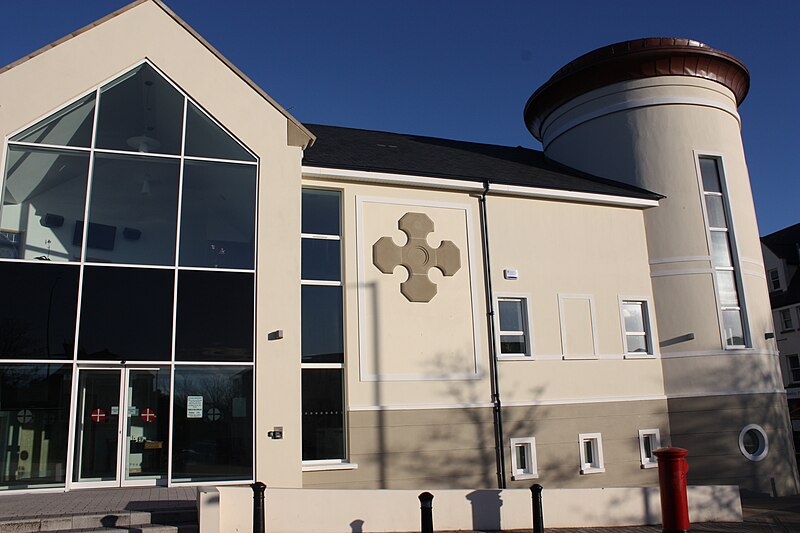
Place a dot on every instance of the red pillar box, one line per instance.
(672, 468)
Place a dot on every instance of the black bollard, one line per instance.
(538, 515)
(426, 509)
(258, 506)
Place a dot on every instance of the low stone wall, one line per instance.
(229, 509)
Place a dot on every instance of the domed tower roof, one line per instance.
(633, 60)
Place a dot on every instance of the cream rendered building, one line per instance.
(314, 306)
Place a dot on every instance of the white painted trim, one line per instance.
(420, 407)
(575, 196)
(647, 462)
(763, 447)
(383, 178)
(319, 466)
(647, 311)
(549, 136)
(679, 395)
(532, 471)
(714, 353)
(526, 299)
(577, 401)
(680, 259)
(363, 349)
(597, 466)
(759, 264)
(562, 323)
(682, 272)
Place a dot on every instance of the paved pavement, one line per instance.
(768, 515)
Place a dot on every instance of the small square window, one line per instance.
(523, 458)
(591, 446)
(787, 324)
(635, 323)
(774, 279)
(649, 441)
(794, 367)
(513, 327)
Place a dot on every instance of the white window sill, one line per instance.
(592, 470)
(649, 465)
(317, 467)
(514, 357)
(586, 357)
(639, 356)
(517, 477)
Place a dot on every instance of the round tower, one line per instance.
(662, 114)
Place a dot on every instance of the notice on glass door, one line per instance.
(194, 407)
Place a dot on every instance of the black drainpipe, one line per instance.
(497, 406)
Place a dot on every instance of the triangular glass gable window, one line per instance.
(71, 126)
(140, 111)
(204, 138)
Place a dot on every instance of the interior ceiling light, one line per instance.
(143, 143)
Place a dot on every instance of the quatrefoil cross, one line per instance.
(417, 256)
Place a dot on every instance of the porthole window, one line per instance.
(753, 442)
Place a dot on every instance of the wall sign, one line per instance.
(194, 407)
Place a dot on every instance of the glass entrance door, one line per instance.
(121, 427)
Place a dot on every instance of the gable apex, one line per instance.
(298, 134)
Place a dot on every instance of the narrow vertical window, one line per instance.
(787, 324)
(591, 447)
(723, 259)
(794, 367)
(649, 442)
(322, 326)
(513, 321)
(774, 280)
(523, 458)
(635, 323)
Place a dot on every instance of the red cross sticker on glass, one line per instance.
(98, 415)
(148, 415)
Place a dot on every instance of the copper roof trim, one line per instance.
(633, 60)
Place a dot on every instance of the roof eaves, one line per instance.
(194, 33)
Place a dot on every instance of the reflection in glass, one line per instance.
(147, 426)
(38, 310)
(71, 126)
(133, 210)
(97, 426)
(716, 211)
(321, 260)
(126, 314)
(732, 325)
(218, 215)
(511, 318)
(726, 282)
(140, 112)
(636, 343)
(710, 174)
(720, 249)
(204, 138)
(215, 316)
(634, 319)
(213, 423)
(44, 195)
(512, 344)
(321, 310)
(34, 421)
(321, 212)
(323, 414)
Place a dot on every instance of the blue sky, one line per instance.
(464, 69)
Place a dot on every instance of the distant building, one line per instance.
(199, 289)
(781, 259)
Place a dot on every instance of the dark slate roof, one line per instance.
(397, 153)
(785, 244)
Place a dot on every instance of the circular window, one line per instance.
(753, 442)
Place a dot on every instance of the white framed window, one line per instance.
(722, 245)
(523, 458)
(753, 442)
(591, 445)
(513, 326)
(794, 367)
(787, 324)
(774, 279)
(635, 318)
(649, 441)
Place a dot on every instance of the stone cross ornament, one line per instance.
(417, 256)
